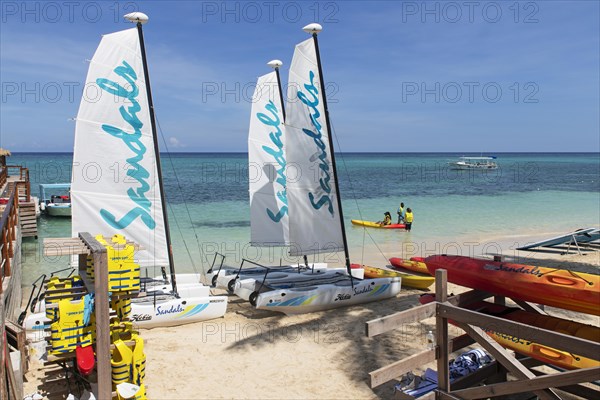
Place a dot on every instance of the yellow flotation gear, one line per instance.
(122, 307)
(59, 283)
(409, 217)
(123, 272)
(129, 364)
(68, 331)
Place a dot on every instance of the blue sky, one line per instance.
(403, 76)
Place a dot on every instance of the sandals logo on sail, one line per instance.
(279, 156)
(313, 104)
(134, 143)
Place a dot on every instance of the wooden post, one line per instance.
(441, 331)
(101, 303)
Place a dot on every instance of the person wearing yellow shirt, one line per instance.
(408, 219)
(400, 213)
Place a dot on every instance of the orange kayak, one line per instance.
(416, 266)
(535, 350)
(560, 288)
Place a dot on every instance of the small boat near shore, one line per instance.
(55, 199)
(474, 163)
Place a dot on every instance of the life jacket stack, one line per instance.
(128, 360)
(68, 330)
(123, 272)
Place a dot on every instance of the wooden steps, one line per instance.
(28, 219)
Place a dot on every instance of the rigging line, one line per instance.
(184, 202)
(354, 196)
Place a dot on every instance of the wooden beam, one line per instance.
(101, 304)
(394, 321)
(390, 322)
(585, 392)
(532, 384)
(394, 370)
(529, 307)
(579, 346)
(504, 357)
(441, 331)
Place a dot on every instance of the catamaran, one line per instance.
(316, 222)
(116, 136)
(269, 225)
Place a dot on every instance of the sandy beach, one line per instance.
(255, 354)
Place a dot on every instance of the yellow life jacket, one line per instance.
(123, 272)
(68, 331)
(409, 217)
(129, 365)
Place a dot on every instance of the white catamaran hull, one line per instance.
(225, 278)
(171, 312)
(150, 312)
(324, 297)
(245, 286)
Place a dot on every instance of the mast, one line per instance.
(314, 30)
(141, 18)
(275, 64)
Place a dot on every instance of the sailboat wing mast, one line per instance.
(314, 29)
(135, 17)
(316, 219)
(267, 163)
(117, 187)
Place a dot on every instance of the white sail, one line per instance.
(267, 164)
(312, 197)
(115, 182)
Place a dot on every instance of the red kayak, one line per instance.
(560, 288)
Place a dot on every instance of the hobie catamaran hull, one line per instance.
(325, 297)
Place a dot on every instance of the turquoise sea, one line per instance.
(530, 196)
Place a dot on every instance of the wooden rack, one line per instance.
(83, 246)
(494, 374)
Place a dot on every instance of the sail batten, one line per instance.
(313, 205)
(269, 218)
(115, 186)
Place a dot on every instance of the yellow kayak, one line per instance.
(413, 281)
(371, 224)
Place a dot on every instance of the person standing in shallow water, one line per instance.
(408, 219)
(400, 213)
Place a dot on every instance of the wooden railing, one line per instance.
(8, 232)
(3, 176)
(23, 180)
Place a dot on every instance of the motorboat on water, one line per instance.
(474, 163)
(55, 199)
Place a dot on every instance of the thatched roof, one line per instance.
(4, 152)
